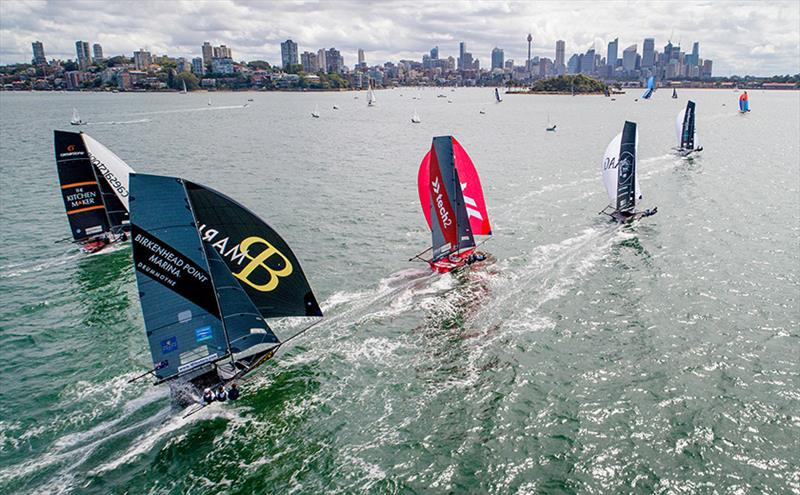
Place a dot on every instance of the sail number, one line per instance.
(609, 163)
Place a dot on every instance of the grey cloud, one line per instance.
(741, 37)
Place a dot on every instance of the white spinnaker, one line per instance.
(609, 168)
(110, 166)
(679, 125)
(611, 173)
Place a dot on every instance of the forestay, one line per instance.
(619, 169)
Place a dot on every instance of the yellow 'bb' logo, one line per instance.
(258, 262)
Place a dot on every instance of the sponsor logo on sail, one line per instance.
(169, 345)
(202, 334)
(439, 201)
(197, 362)
(109, 176)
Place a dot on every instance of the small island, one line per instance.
(568, 84)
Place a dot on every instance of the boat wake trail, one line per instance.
(189, 110)
(18, 269)
(138, 121)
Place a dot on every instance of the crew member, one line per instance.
(221, 394)
(233, 392)
(208, 396)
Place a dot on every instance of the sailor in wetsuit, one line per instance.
(221, 394)
(475, 257)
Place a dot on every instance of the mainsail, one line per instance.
(76, 119)
(209, 272)
(450, 190)
(685, 128)
(619, 169)
(94, 184)
(497, 95)
(651, 87)
(370, 95)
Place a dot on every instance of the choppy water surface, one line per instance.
(587, 358)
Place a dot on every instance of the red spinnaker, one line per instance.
(422, 186)
(472, 191)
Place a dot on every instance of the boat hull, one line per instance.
(91, 246)
(456, 261)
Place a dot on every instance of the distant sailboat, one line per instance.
(549, 127)
(371, 101)
(415, 118)
(209, 102)
(452, 201)
(686, 130)
(744, 102)
(650, 89)
(619, 176)
(497, 95)
(572, 87)
(183, 91)
(205, 315)
(606, 92)
(94, 185)
(315, 113)
(674, 93)
(76, 119)
(482, 111)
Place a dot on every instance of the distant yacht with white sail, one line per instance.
(371, 101)
(619, 177)
(183, 91)
(76, 119)
(315, 113)
(415, 118)
(497, 95)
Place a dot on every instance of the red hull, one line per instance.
(452, 262)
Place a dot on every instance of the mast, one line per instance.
(210, 276)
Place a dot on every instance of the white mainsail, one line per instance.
(370, 96)
(184, 87)
(611, 173)
(76, 119)
(415, 118)
(110, 166)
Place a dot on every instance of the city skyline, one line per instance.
(742, 38)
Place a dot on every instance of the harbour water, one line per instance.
(587, 357)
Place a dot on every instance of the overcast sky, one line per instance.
(758, 38)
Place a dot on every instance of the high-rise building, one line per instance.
(613, 51)
(38, 53)
(497, 58)
(198, 67)
(208, 53)
(98, 51)
(142, 59)
(183, 65)
(629, 58)
(588, 62)
(559, 64)
(221, 51)
(705, 73)
(288, 53)
(309, 61)
(648, 53)
(222, 65)
(361, 58)
(667, 52)
(574, 64)
(322, 62)
(462, 50)
(694, 58)
(333, 60)
(82, 50)
(435, 53)
(545, 67)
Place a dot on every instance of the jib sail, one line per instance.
(651, 87)
(619, 169)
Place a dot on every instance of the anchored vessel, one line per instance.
(619, 177)
(209, 272)
(451, 197)
(94, 186)
(686, 130)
